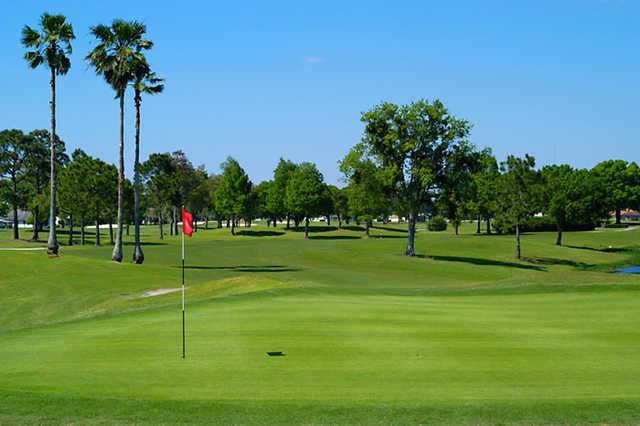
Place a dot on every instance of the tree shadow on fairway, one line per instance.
(243, 268)
(550, 261)
(386, 228)
(355, 228)
(260, 233)
(484, 262)
(314, 228)
(605, 250)
(334, 237)
(130, 243)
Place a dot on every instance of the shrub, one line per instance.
(437, 224)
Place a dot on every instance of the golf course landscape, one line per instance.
(461, 333)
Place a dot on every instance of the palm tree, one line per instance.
(119, 47)
(146, 82)
(50, 46)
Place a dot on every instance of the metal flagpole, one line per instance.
(183, 335)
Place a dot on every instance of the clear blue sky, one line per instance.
(260, 80)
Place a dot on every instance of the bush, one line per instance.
(437, 224)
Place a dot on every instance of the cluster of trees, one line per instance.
(414, 160)
(119, 57)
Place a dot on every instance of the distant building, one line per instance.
(628, 215)
(7, 221)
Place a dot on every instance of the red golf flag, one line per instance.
(187, 222)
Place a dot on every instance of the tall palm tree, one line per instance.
(50, 46)
(119, 47)
(145, 81)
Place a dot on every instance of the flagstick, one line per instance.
(183, 336)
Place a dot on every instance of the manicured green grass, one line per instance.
(463, 333)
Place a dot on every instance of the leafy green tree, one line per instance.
(572, 197)
(304, 193)
(13, 170)
(456, 189)
(76, 191)
(119, 48)
(37, 163)
(275, 201)
(518, 193)
(340, 200)
(234, 191)
(157, 176)
(261, 194)
(622, 183)
(412, 143)
(484, 191)
(50, 46)
(145, 82)
(367, 190)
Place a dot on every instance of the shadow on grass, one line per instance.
(550, 261)
(484, 262)
(243, 268)
(260, 233)
(386, 228)
(606, 250)
(334, 237)
(144, 243)
(313, 229)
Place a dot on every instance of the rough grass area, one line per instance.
(463, 333)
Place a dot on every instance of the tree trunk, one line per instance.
(228, 223)
(97, 241)
(175, 222)
(161, 226)
(233, 226)
(411, 251)
(456, 227)
(288, 222)
(206, 223)
(618, 216)
(36, 224)
(296, 222)
(488, 226)
(110, 230)
(138, 256)
(306, 228)
(70, 229)
(328, 220)
(116, 256)
(16, 232)
(339, 222)
(219, 222)
(82, 234)
(559, 237)
(518, 251)
(479, 224)
(367, 232)
(52, 243)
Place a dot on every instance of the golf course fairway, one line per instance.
(462, 334)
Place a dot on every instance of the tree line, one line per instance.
(413, 160)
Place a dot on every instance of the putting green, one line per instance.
(469, 336)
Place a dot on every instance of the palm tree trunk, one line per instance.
(52, 243)
(116, 256)
(138, 256)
